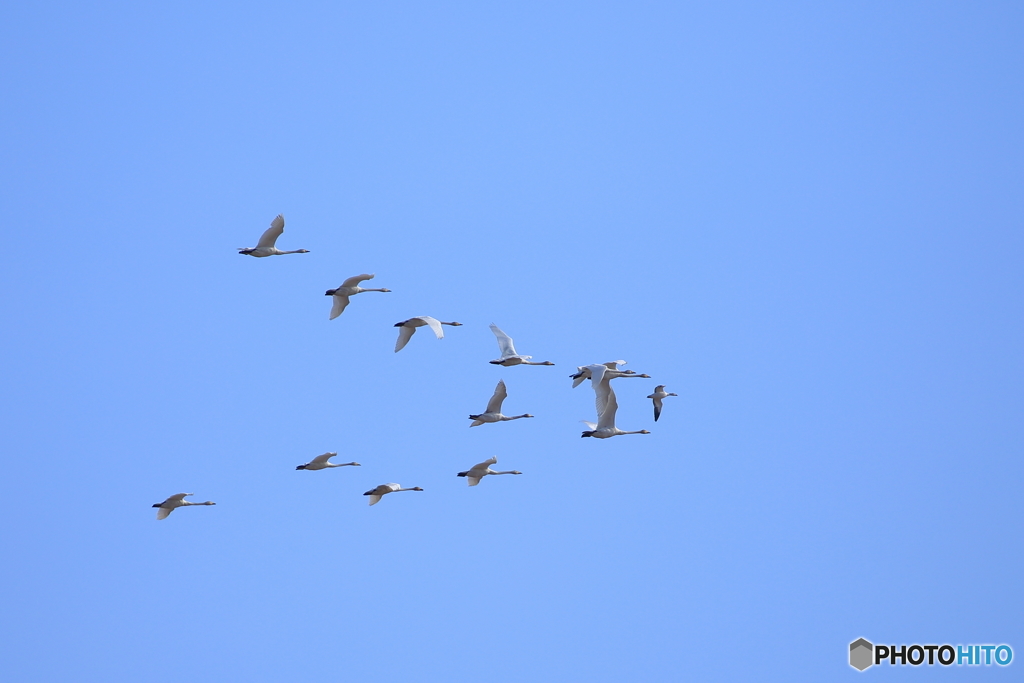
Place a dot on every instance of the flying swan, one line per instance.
(493, 412)
(349, 287)
(320, 463)
(175, 501)
(605, 427)
(509, 357)
(269, 239)
(477, 472)
(409, 326)
(384, 489)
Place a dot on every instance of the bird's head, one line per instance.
(415, 488)
(455, 324)
(645, 376)
(644, 431)
(527, 415)
(302, 251)
(516, 472)
(355, 464)
(547, 362)
(385, 290)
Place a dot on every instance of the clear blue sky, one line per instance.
(805, 219)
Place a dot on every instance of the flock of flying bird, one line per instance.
(599, 374)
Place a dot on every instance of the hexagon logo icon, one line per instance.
(862, 654)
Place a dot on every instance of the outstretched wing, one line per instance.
(607, 416)
(269, 237)
(161, 513)
(614, 364)
(601, 391)
(404, 335)
(340, 303)
(374, 499)
(480, 468)
(356, 279)
(504, 342)
(177, 497)
(494, 405)
(322, 458)
(471, 480)
(657, 409)
(581, 374)
(597, 373)
(435, 325)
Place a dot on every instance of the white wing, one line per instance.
(504, 342)
(613, 365)
(404, 335)
(601, 391)
(161, 513)
(323, 458)
(374, 499)
(597, 373)
(494, 405)
(176, 497)
(340, 303)
(435, 325)
(269, 237)
(607, 416)
(480, 468)
(356, 279)
(471, 480)
(657, 409)
(589, 424)
(583, 374)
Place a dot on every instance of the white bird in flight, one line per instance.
(348, 288)
(659, 393)
(477, 472)
(409, 326)
(602, 371)
(175, 501)
(269, 239)
(384, 489)
(605, 427)
(493, 412)
(509, 357)
(320, 463)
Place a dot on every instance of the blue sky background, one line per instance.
(805, 219)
